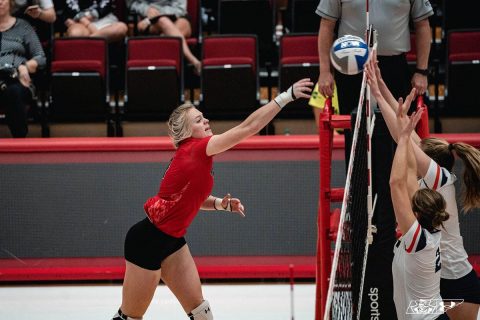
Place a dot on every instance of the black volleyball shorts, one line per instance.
(146, 246)
(466, 288)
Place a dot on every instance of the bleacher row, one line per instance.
(81, 89)
(144, 78)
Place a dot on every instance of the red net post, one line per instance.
(323, 218)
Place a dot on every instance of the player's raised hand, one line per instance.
(407, 124)
(370, 69)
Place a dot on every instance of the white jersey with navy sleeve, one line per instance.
(454, 257)
(416, 272)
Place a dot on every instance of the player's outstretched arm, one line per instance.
(259, 118)
(390, 117)
(373, 70)
(403, 165)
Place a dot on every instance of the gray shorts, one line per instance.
(106, 21)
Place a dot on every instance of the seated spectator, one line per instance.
(21, 54)
(84, 18)
(167, 17)
(42, 10)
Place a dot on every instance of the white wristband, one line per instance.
(215, 204)
(285, 97)
(228, 208)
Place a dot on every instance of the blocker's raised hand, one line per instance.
(406, 124)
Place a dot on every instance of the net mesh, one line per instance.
(347, 280)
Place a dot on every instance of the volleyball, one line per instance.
(348, 54)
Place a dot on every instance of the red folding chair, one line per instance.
(229, 80)
(154, 77)
(462, 69)
(80, 81)
(298, 59)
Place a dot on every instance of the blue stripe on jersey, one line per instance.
(422, 242)
(444, 177)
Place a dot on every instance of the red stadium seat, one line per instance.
(154, 77)
(298, 59)
(229, 81)
(463, 67)
(80, 81)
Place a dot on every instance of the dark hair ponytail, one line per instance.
(471, 174)
(429, 205)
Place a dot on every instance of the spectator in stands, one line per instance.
(21, 54)
(155, 247)
(420, 214)
(436, 159)
(392, 22)
(169, 17)
(42, 10)
(93, 18)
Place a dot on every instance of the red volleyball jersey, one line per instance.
(187, 183)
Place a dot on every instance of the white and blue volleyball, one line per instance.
(348, 54)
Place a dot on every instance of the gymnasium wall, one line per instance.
(66, 204)
(58, 203)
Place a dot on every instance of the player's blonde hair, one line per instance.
(443, 154)
(429, 205)
(179, 128)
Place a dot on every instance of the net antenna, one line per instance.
(370, 117)
(355, 229)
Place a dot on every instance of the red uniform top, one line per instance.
(187, 183)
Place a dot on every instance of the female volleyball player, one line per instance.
(155, 247)
(419, 214)
(436, 159)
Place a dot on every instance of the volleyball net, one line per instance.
(345, 235)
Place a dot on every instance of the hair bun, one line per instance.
(440, 218)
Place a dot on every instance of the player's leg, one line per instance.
(180, 274)
(138, 289)
(465, 311)
(144, 250)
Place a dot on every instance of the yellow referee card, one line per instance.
(318, 101)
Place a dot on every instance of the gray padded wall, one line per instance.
(85, 209)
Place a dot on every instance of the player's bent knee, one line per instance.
(202, 312)
(120, 316)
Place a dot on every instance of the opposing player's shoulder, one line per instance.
(437, 177)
